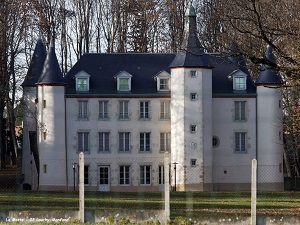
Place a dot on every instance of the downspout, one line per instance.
(66, 150)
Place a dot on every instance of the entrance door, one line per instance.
(104, 178)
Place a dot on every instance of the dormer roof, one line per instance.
(36, 64)
(51, 74)
(191, 54)
(269, 76)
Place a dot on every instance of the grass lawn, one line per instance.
(193, 204)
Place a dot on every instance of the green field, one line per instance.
(206, 204)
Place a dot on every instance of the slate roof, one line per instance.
(103, 67)
(36, 64)
(51, 74)
(269, 75)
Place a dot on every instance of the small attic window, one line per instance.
(124, 81)
(82, 82)
(239, 80)
(163, 81)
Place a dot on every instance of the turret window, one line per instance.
(193, 73)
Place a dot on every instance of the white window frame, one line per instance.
(163, 81)
(103, 109)
(165, 141)
(145, 175)
(240, 139)
(240, 110)
(104, 141)
(123, 75)
(124, 175)
(124, 109)
(83, 144)
(145, 142)
(239, 80)
(124, 141)
(80, 77)
(165, 110)
(144, 107)
(83, 113)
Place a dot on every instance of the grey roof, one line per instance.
(269, 75)
(36, 65)
(143, 67)
(51, 72)
(103, 68)
(192, 53)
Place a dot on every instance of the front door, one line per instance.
(104, 178)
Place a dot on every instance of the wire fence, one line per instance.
(194, 189)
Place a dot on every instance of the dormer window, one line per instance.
(82, 82)
(239, 80)
(240, 83)
(123, 81)
(163, 81)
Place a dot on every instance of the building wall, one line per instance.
(270, 144)
(231, 169)
(189, 146)
(134, 158)
(51, 137)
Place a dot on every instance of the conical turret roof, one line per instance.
(236, 58)
(36, 65)
(51, 74)
(269, 75)
(192, 53)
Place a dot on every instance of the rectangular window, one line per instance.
(193, 129)
(165, 142)
(45, 135)
(124, 141)
(239, 83)
(124, 175)
(83, 142)
(104, 141)
(165, 110)
(193, 96)
(145, 175)
(144, 142)
(193, 162)
(240, 110)
(44, 103)
(193, 73)
(124, 84)
(161, 175)
(82, 109)
(240, 141)
(86, 175)
(144, 110)
(164, 84)
(124, 109)
(45, 168)
(82, 84)
(103, 109)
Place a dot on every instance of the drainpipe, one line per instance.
(66, 150)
